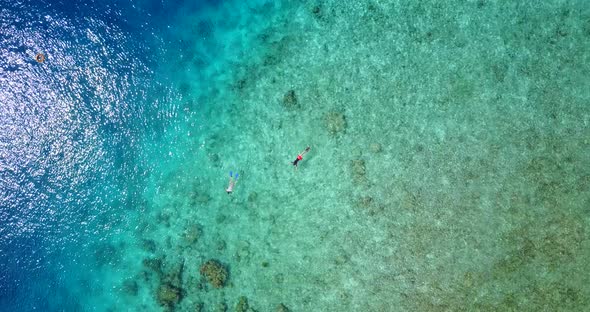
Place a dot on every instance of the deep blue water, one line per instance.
(69, 132)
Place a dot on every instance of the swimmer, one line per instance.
(232, 182)
(300, 156)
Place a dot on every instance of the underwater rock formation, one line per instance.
(335, 122)
(214, 272)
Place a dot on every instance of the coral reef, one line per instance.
(130, 287)
(148, 245)
(358, 170)
(215, 273)
(243, 252)
(163, 218)
(220, 245)
(200, 198)
(290, 101)
(153, 264)
(168, 295)
(242, 305)
(174, 275)
(335, 122)
(279, 278)
(221, 307)
(365, 201)
(375, 148)
(317, 11)
(252, 197)
(191, 234)
(169, 275)
(341, 258)
(554, 244)
(367, 204)
(240, 84)
(281, 308)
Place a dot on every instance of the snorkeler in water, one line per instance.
(232, 182)
(300, 156)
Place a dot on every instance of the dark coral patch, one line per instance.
(215, 273)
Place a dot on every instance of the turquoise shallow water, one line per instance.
(447, 172)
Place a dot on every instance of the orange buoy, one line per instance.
(40, 58)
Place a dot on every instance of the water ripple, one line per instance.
(67, 128)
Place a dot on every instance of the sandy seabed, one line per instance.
(448, 168)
